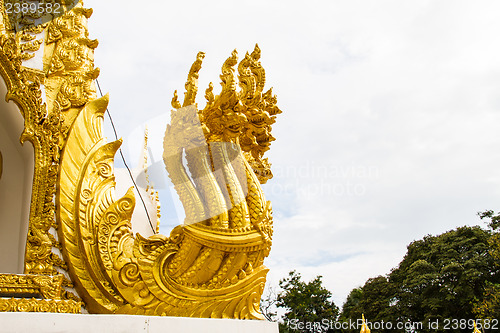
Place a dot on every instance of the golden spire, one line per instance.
(476, 330)
(364, 327)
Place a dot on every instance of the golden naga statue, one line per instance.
(212, 265)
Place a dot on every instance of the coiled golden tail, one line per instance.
(212, 265)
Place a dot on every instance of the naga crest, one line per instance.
(212, 264)
(243, 117)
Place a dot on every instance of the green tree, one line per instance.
(375, 300)
(307, 305)
(352, 308)
(441, 276)
(489, 306)
(439, 279)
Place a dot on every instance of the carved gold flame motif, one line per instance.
(212, 264)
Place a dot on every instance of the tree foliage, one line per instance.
(455, 275)
(439, 278)
(489, 305)
(305, 303)
(268, 304)
(374, 300)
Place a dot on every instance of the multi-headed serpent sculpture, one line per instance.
(212, 265)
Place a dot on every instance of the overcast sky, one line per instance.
(390, 124)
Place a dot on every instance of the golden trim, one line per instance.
(48, 291)
(48, 287)
(42, 131)
(46, 123)
(39, 305)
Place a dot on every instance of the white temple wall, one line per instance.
(15, 186)
(62, 323)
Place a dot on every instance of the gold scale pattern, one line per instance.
(212, 265)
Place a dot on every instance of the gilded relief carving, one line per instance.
(42, 130)
(39, 305)
(69, 65)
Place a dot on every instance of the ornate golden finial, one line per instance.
(227, 77)
(158, 212)
(144, 162)
(192, 81)
(175, 101)
(364, 327)
(145, 148)
(209, 94)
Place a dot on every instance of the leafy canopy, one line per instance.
(305, 302)
(440, 277)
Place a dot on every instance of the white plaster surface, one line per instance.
(13, 322)
(15, 186)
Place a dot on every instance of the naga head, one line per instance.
(242, 117)
(187, 131)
